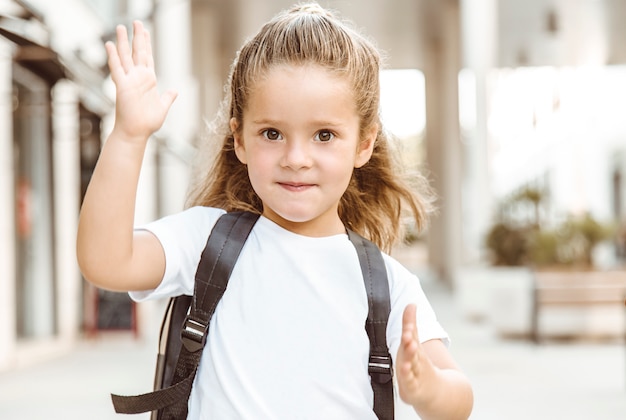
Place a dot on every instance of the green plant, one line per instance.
(520, 236)
(530, 195)
(543, 248)
(508, 245)
(570, 244)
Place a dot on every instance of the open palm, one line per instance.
(140, 108)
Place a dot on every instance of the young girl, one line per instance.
(304, 147)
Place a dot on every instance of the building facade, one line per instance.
(49, 142)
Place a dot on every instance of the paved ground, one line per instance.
(517, 380)
(513, 380)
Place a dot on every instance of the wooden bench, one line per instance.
(582, 289)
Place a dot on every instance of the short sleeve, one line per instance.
(405, 288)
(183, 237)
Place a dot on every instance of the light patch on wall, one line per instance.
(402, 100)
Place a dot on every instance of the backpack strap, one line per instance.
(216, 264)
(377, 287)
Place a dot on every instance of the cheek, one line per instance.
(340, 166)
(260, 176)
(259, 163)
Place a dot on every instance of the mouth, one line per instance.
(295, 186)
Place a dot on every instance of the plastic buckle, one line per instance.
(380, 367)
(193, 335)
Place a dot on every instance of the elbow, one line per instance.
(83, 263)
(95, 270)
(89, 270)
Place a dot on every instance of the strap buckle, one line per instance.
(380, 368)
(193, 334)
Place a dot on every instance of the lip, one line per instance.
(295, 186)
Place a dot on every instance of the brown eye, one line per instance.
(272, 134)
(324, 136)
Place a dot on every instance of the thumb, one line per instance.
(409, 323)
(168, 98)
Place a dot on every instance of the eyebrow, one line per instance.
(322, 123)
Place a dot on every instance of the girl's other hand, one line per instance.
(414, 369)
(140, 109)
(428, 377)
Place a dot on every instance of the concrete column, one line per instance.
(443, 144)
(36, 307)
(173, 48)
(7, 215)
(207, 19)
(479, 35)
(66, 167)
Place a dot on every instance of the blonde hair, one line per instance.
(308, 34)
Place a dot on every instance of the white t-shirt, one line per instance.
(287, 339)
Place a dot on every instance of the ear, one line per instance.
(240, 151)
(366, 146)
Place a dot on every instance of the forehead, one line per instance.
(312, 86)
(310, 72)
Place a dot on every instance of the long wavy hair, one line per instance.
(379, 192)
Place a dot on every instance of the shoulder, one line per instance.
(190, 227)
(194, 218)
(396, 271)
(182, 236)
(194, 215)
(406, 288)
(404, 285)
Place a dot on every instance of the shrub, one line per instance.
(508, 245)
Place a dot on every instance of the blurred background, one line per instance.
(513, 109)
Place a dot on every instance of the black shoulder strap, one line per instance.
(377, 287)
(216, 264)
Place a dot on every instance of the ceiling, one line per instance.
(527, 33)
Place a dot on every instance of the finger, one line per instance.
(123, 48)
(139, 44)
(149, 54)
(115, 66)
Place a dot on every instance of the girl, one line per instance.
(304, 147)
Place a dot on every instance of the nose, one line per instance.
(297, 154)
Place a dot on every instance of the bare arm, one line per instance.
(428, 377)
(109, 253)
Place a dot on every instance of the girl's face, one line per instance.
(300, 141)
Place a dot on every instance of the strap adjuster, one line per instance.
(380, 368)
(193, 334)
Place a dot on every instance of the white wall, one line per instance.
(565, 123)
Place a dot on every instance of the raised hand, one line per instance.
(140, 109)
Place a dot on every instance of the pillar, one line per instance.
(173, 44)
(66, 166)
(37, 288)
(443, 143)
(7, 215)
(479, 30)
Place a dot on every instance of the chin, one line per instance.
(291, 213)
(292, 216)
